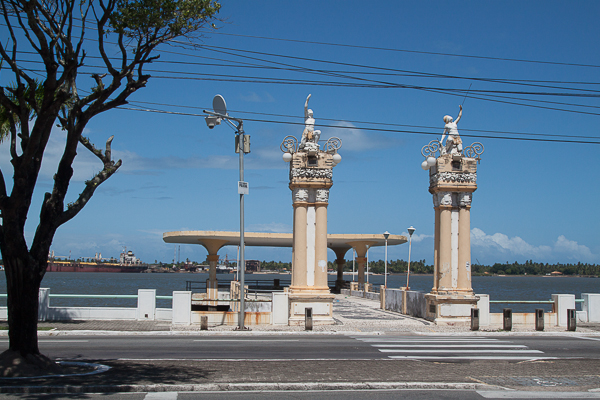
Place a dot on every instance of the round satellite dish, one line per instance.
(219, 105)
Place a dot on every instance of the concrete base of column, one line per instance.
(212, 291)
(450, 309)
(321, 304)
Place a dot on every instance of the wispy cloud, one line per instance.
(355, 139)
(562, 250)
(274, 227)
(416, 237)
(253, 97)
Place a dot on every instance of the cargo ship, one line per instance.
(127, 263)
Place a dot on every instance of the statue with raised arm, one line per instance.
(310, 135)
(454, 142)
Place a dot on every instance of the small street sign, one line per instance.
(243, 187)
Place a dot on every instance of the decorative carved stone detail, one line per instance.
(465, 199)
(452, 177)
(322, 195)
(300, 195)
(445, 198)
(436, 200)
(311, 173)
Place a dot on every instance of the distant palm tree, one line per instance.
(5, 114)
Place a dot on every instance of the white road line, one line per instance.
(506, 346)
(207, 360)
(513, 358)
(247, 340)
(431, 341)
(161, 396)
(587, 338)
(515, 394)
(461, 351)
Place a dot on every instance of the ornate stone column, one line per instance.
(452, 181)
(310, 180)
(340, 260)
(464, 243)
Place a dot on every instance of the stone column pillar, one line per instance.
(361, 263)
(299, 239)
(445, 242)
(212, 271)
(321, 240)
(212, 246)
(361, 260)
(464, 243)
(436, 245)
(452, 180)
(212, 286)
(310, 180)
(340, 260)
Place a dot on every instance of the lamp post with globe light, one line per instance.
(386, 234)
(411, 230)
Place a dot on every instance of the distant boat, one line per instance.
(127, 263)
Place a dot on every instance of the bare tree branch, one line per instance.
(110, 167)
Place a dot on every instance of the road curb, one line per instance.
(250, 387)
(301, 333)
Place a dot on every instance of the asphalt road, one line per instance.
(321, 395)
(317, 347)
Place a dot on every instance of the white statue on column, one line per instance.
(454, 142)
(310, 136)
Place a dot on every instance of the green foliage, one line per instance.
(397, 267)
(420, 267)
(275, 266)
(535, 268)
(6, 116)
(170, 18)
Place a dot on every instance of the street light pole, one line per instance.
(242, 316)
(386, 234)
(411, 230)
(214, 118)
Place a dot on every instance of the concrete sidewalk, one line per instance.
(351, 314)
(259, 375)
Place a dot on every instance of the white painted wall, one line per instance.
(562, 303)
(591, 305)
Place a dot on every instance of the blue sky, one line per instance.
(535, 199)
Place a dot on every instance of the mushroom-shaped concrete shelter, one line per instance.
(213, 241)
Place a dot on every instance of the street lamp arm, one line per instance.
(239, 127)
(224, 116)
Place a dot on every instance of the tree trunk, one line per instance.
(23, 285)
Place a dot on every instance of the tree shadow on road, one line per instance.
(124, 373)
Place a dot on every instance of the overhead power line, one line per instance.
(404, 131)
(366, 122)
(411, 51)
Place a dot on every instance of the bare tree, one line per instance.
(60, 33)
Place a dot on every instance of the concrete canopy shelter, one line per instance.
(213, 241)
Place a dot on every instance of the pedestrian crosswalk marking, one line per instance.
(452, 348)
(511, 346)
(507, 358)
(441, 350)
(428, 340)
(161, 396)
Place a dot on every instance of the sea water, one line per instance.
(498, 287)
